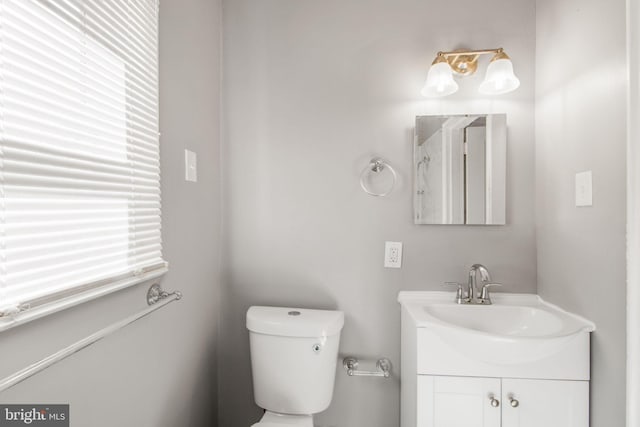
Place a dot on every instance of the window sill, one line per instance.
(68, 302)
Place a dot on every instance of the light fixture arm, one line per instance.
(465, 62)
(471, 52)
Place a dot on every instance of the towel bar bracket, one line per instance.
(155, 294)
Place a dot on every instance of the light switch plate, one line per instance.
(584, 189)
(393, 254)
(190, 166)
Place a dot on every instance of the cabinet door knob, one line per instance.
(514, 402)
(494, 402)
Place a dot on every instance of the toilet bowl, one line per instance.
(294, 352)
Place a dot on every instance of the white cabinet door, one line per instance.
(458, 402)
(545, 403)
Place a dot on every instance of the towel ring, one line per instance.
(377, 165)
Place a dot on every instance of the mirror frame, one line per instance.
(455, 205)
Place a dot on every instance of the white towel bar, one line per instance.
(156, 299)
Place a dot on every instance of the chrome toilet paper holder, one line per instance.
(383, 365)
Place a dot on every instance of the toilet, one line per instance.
(294, 352)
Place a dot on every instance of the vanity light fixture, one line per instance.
(498, 80)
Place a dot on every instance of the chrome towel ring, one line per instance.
(377, 165)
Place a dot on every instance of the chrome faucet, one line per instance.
(475, 294)
(472, 284)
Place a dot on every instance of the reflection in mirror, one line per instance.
(459, 165)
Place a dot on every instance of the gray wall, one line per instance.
(581, 125)
(159, 371)
(313, 90)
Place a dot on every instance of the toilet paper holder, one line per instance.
(383, 365)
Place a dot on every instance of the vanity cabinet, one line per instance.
(458, 402)
(445, 401)
(520, 362)
(546, 403)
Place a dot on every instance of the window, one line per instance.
(79, 151)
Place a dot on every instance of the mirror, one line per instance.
(459, 166)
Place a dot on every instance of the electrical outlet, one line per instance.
(393, 254)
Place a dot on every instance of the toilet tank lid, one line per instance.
(294, 322)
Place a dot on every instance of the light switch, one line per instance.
(584, 189)
(190, 166)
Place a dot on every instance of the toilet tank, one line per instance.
(293, 357)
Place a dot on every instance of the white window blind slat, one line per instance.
(85, 226)
(83, 275)
(63, 262)
(145, 157)
(113, 126)
(57, 204)
(103, 87)
(33, 241)
(41, 88)
(46, 160)
(35, 191)
(66, 129)
(141, 77)
(92, 23)
(68, 10)
(27, 148)
(76, 183)
(33, 115)
(37, 57)
(76, 172)
(117, 23)
(145, 14)
(20, 15)
(79, 152)
(56, 84)
(139, 81)
(37, 217)
(42, 251)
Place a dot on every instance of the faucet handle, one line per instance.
(484, 295)
(460, 298)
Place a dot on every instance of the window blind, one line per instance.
(79, 148)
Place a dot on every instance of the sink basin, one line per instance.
(503, 320)
(516, 328)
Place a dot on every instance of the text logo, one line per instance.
(34, 415)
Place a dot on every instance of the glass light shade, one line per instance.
(500, 78)
(439, 81)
